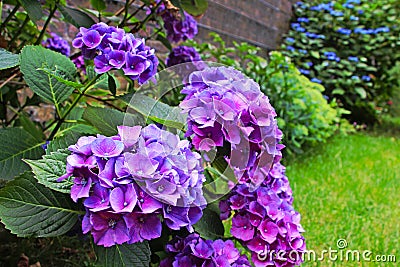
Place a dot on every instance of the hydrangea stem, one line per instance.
(43, 31)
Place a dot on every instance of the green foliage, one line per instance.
(7, 59)
(30, 209)
(210, 226)
(304, 115)
(124, 255)
(156, 110)
(33, 60)
(364, 40)
(48, 169)
(76, 17)
(16, 144)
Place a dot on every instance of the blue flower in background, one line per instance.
(305, 20)
(348, 5)
(360, 11)
(327, 7)
(295, 25)
(320, 36)
(311, 35)
(382, 29)
(309, 63)
(353, 2)
(290, 48)
(290, 40)
(315, 80)
(336, 13)
(355, 77)
(332, 56)
(366, 78)
(353, 18)
(305, 72)
(364, 31)
(302, 51)
(355, 59)
(344, 31)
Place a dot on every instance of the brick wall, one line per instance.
(259, 22)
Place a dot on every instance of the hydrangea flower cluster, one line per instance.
(112, 48)
(129, 182)
(178, 29)
(195, 251)
(58, 44)
(224, 106)
(265, 220)
(185, 54)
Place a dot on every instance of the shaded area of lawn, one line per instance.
(349, 189)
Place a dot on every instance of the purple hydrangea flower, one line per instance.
(195, 251)
(133, 181)
(185, 54)
(225, 106)
(178, 28)
(267, 221)
(112, 48)
(58, 44)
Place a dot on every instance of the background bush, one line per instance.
(304, 115)
(349, 46)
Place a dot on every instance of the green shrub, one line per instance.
(304, 115)
(348, 46)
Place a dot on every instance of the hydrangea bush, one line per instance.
(150, 187)
(349, 47)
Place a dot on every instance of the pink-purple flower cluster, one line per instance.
(194, 251)
(266, 221)
(58, 44)
(112, 48)
(226, 108)
(178, 28)
(133, 181)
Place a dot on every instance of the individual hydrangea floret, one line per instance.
(265, 221)
(132, 182)
(112, 48)
(224, 106)
(58, 44)
(195, 251)
(178, 28)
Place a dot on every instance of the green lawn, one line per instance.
(349, 189)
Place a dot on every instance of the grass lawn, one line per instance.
(349, 188)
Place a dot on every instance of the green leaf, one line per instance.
(106, 120)
(156, 110)
(59, 77)
(194, 7)
(7, 59)
(69, 138)
(137, 254)
(98, 4)
(30, 209)
(76, 17)
(164, 41)
(16, 143)
(314, 54)
(361, 92)
(48, 169)
(338, 92)
(31, 127)
(33, 8)
(34, 58)
(111, 84)
(210, 225)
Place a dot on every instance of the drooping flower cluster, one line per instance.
(178, 28)
(266, 221)
(129, 182)
(58, 44)
(112, 48)
(195, 251)
(224, 106)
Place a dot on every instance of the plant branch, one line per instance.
(3, 25)
(43, 31)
